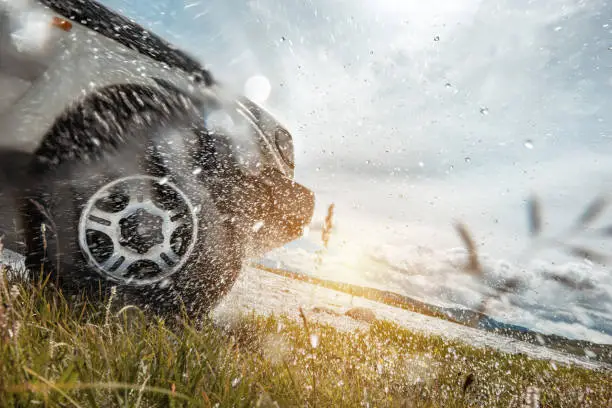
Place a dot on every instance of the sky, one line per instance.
(411, 115)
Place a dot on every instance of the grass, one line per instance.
(59, 353)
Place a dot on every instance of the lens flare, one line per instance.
(257, 88)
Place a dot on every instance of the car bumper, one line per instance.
(276, 211)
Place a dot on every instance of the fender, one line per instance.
(99, 62)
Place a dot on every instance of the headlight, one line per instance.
(284, 143)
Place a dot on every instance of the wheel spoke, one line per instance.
(177, 219)
(117, 264)
(102, 221)
(139, 191)
(169, 258)
(178, 215)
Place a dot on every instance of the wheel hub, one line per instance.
(138, 230)
(141, 231)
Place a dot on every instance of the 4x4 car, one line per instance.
(124, 164)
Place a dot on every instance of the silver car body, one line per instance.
(55, 52)
(44, 68)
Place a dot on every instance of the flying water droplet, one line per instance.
(163, 181)
(484, 110)
(314, 340)
(468, 160)
(197, 171)
(257, 226)
(528, 144)
(236, 381)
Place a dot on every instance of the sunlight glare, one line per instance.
(257, 88)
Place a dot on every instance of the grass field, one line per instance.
(57, 353)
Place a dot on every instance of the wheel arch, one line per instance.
(59, 142)
(55, 149)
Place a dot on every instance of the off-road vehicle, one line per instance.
(124, 164)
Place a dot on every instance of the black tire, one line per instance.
(118, 132)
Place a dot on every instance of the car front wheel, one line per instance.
(118, 202)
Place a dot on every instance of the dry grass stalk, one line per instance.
(588, 216)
